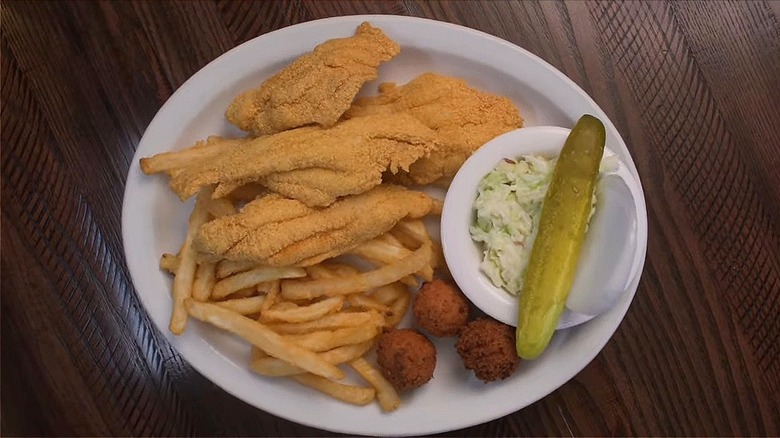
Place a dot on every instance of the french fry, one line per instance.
(273, 367)
(228, 285)
(407, 240)
(329, 339)
(185, 274)
(242, 293)
(169, 263)
(329, 322)
(384, 252)
(307, 289)
(385, 393)
(304, 313)
(415, 229)
(399, 306)
(361, 301)
(330, 270)
(244, 306)
(356, 395)
(267, 287)
(437, 261)
(273, 288)
(204, 281)
(387, 294)
(226, 268)
(169, 161)
(389, 239)
(263, 338)
(382, 249)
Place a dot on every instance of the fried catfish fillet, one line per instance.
(317, 87)
(464, 119)
(313, 164)
(276, 231)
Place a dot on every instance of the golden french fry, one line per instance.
(426, 273)
(356, 395)
(242, 293)
(407, 240)
(204, 281)
(168, 161)
(329, 322)
(307, 289)
(185, 274)
(414, 234)
(437, 261)
(169, 263)
(285, 305)
(329, 339)
(415, 229)
(330, 270)
(263, 338)
(361, 301)
(273, 288)
(317, 271)
(342, 269)
(228, 285)
(381, 249)
(385, 393)
(244, 306)
(387, 294)
(273, 367)
(304, 313)
(384, 252)
(389, 239)
(399, 306)
(267, 286)
(226, 268)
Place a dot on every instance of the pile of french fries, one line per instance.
(306, 323)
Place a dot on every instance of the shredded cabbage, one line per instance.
(508, 208)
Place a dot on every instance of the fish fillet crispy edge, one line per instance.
(276, 231)
(317, 87)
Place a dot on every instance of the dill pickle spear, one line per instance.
(564, 218)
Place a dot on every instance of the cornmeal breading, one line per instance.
(316, 165)
(276, 231)
(463, 118)
(317, 87)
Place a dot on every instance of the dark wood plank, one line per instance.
(692, 87)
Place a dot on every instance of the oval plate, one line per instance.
(154, 222)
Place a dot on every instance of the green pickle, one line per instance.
(564, 219)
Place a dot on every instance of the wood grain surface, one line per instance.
(693, 87)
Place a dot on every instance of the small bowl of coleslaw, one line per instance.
(491, 215)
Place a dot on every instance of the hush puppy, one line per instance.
(488, 348)
(406, 358)
(440, 308)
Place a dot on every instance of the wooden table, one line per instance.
(694, 89)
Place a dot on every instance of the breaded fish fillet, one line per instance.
(276, 231)
(464, 119)
(316, 165)
(317, 87)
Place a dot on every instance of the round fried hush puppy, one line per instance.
(440, 308)
(406, 358)
(488, 348)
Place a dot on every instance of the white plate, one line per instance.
(153, 222)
